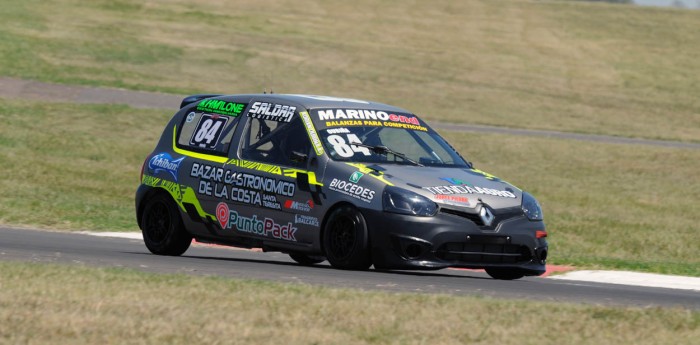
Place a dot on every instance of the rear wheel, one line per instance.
(163, 231)
(505, 273)
(306, 260)
(345, 239)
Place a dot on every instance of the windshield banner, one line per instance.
(328, 118)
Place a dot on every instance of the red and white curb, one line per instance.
(608, 277)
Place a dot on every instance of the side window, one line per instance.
(280, 143)
(210, 133)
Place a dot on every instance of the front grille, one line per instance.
(484, 249)
(500, 215)
(471, 216)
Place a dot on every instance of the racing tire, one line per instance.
(345, 239)
(306, 260)
(505, 273)
(162, 228)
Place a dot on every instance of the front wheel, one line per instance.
(345, 239)
(505, 273)
(163, 231)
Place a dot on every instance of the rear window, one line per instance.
(207, 132)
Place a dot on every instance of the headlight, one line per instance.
(532, 208)
(399, 200)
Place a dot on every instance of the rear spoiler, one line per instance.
(196, 98)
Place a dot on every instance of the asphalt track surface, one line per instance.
(13, 88)
(80, 249)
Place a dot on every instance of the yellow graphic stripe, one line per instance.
(268, 168)
(370, 172)
(491, 177)
(312, 176)
(181, 194)
(273, 169)
(311, 131)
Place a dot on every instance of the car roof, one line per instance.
(316, 102)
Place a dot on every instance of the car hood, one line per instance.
(456, 187)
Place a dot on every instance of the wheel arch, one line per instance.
(151, 193)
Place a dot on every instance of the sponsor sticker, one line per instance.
(267, 227)
(453, 199)
(216, 174)
(271, 111)
(464, 189)
(351, 189)
(356, 176)
(241, 187)
(222, 214)
(299, 206)
(365, 117)
(220, 107)
(307, 220)
(311, 130)
(165, 162)
(190, 117)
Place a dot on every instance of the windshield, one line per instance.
(392, 145)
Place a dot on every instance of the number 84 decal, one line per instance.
(344, 148)
(208, 130)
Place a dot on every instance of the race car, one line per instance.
(320, 178)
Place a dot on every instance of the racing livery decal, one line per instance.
(299, 206)
(307, 220)
(267, 227)
(241, 187)
(453, 198)
(351, 189)
(164, 162)
(206, 133)
(271, 111)
(173, 188)
(364, 117)
(356, 176)
(180, 193)
(465, 189)
(221, 107)
(311, 130)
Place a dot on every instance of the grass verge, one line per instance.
(556, 65)
(606, 206)
(42, 303)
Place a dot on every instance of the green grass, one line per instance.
(42, 303)
(558, 65)
(617, 206)
(73, 167)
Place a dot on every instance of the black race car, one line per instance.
(353, 182)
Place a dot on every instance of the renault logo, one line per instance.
(486, 215)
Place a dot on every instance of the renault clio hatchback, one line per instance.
(353, 182)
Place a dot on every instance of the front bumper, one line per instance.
(449, 240)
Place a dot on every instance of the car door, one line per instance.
(274, 182)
